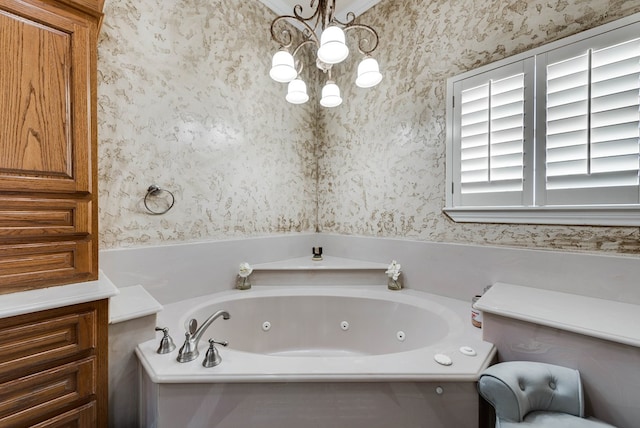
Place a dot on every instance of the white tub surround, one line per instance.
(328, 271)
(462, 271)
(132, 319)
(604, 319)
(132, 302)
(598, 337)
(313, 405)
(327, 263)
(30, 301)
(453, 270)
(172, 273)
(340, 356)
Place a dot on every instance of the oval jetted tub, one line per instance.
(307, 342)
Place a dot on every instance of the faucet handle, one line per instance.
(213, 358)
(223, 343)
(166, 343)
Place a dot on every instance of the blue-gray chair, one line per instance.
(527, 394)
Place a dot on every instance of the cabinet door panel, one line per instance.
(46, 340)
(28, 266)
(24, 217)
(24, 399)
(53, 367)
(45, 127)
(81, 417)
(34, 132)
(48, 133)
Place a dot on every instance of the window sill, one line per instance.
(570, 215)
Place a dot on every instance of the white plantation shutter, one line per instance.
(492, 122)
(551, 135)
(474, 136)
(491, 131)
(593, 120)
(567, 118)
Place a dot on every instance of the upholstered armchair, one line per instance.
(530, 394)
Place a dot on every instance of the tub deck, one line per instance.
(323, 365)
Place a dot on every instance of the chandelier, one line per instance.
(327, 34)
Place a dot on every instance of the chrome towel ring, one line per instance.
(154, 191)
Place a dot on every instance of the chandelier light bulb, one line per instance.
(297, 92)
(333, 48)
(368, 73)
(330, 95)
(282, 67)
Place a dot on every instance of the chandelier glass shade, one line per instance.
(333, 47)
(297, 92)
(330, 95)
(282, 67)
(327, 35)
(368, 73)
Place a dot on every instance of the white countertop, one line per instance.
(604, 319)
(327, 263)
(132, 302)
(41, 299)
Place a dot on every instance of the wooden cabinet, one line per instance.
(53, 367)
(48, 133)
(53, 364)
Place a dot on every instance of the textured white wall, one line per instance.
(185, 101)
(382, 153)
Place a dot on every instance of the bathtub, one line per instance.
(319, 356)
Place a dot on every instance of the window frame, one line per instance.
(528, 213)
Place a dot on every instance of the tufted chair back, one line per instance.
(517, 388)
(536, 394)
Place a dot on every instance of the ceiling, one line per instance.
(285, 7)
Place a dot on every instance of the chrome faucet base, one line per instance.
(166, 343)
(213, 357)
(189, 350)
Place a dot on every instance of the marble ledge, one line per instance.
(327, 263)
(41, 299)
(132, 302)
(603, 319)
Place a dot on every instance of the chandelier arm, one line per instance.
(306, 42)
(350, 18)
(287, 39)
(297, 13)
(287, 34)
(299, 67)
(362, 43)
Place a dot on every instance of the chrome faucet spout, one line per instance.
(189, 351)
(200, 331)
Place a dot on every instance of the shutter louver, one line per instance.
(593, 120)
